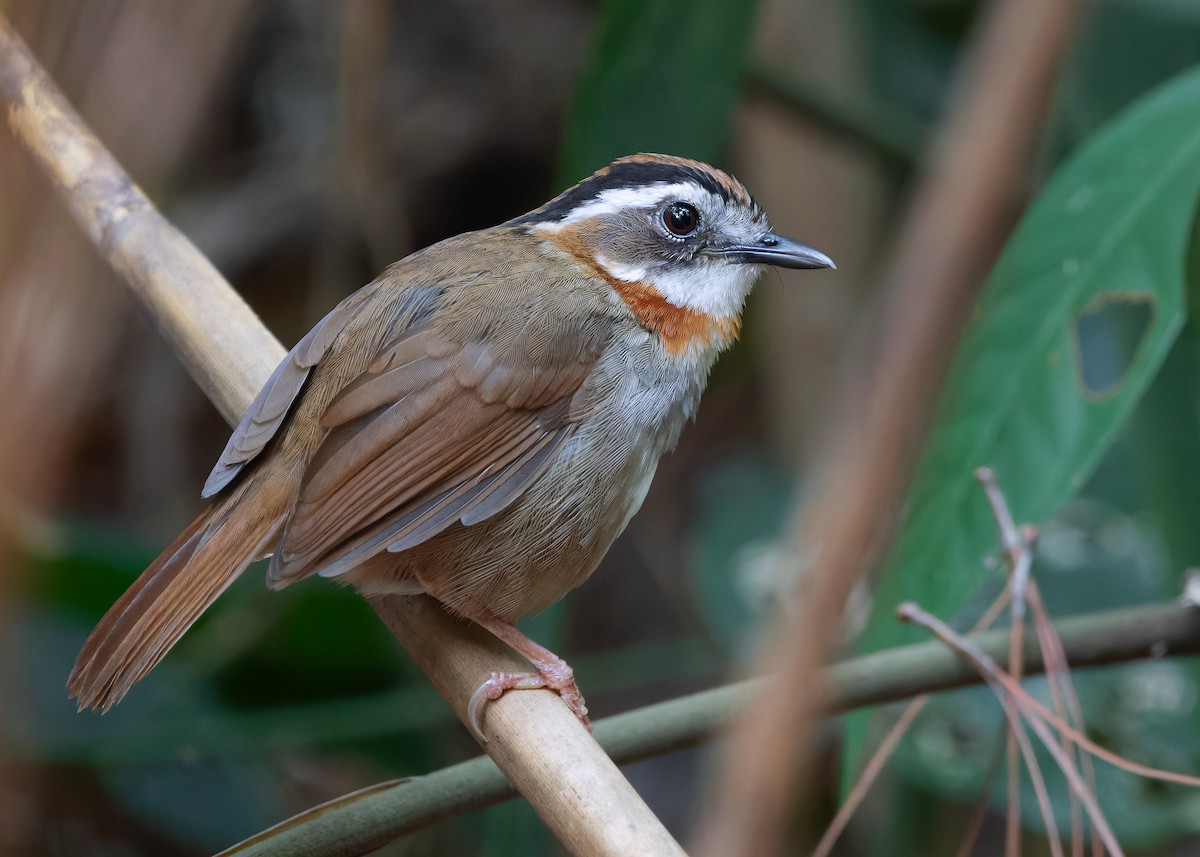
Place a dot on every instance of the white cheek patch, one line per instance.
(716, 288)
(621, 199)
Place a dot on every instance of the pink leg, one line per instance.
(552, 673)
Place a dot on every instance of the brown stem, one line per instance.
(962, 207)
(1020, 560)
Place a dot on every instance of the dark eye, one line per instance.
(681, 219)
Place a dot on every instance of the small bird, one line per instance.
(478, 424)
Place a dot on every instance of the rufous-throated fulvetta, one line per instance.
(479, 423)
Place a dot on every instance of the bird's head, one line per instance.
(667, 230)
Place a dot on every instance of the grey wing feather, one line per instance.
(507, 486)
(272, 404)
(476, 500)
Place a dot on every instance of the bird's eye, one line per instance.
(681, 219)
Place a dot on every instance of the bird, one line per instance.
(478, 424)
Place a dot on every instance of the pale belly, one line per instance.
(533, 553)
(552, 538)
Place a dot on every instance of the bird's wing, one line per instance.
(432, 433)
(272, 404)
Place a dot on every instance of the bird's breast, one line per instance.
(683, 331)
(635, 405)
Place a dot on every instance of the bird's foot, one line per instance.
(555, 675)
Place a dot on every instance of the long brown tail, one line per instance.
(165, 600)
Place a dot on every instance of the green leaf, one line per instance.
(662, 78)
(1111, 230)
(1165, 428)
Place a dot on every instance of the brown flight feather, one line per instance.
(426, 431)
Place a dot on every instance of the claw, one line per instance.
(557, 677)
(552, 673)
(494, 688)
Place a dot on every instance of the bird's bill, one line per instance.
(779, 251)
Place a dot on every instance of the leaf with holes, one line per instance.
(1071, 327)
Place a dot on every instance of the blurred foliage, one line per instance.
(1091, 557)
(278, 699)
(912, 47)
(1112, 228)
(737, 568)
(658, 81)
(1138, 533)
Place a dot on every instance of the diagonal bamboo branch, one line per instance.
(535, 740)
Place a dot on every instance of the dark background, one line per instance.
(304, 145)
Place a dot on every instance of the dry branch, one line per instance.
(960, 210)
(1066, 705)
(1018, 543)
(1017, 704)
(1019, 551)
(539, 745)
(219, 339)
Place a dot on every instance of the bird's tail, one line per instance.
(167, 598)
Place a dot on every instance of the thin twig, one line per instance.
(1016, 541)
(1017, 730)
(1016, 642)
(869, 774)
(1006, 526)
(1055, 668)
(1091, 746)
(1078, 787)
(1018, 544)
(1019, 555)
(979, 815)
(1041, 718)
(1066, 705)
(1015, 700)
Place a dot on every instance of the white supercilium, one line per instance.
(619, 199)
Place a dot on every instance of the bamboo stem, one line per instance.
(540, 746)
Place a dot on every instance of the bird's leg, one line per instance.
(552, 673)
